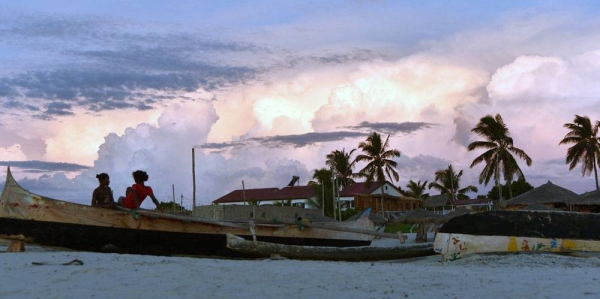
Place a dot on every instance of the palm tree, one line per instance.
(342, 165)
(379, 162)
(498, 156)
(447, 181)
(415, 190)
(323, 190)
(585, 147)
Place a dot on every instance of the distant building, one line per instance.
(548, 195)
(588, 203)
(441, 204)
(361, 197)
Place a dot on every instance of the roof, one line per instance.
(588, 199)
(268, 194)
(361, 188)
(469, 202)
(537, 207)
(546, 193)
(439, 200)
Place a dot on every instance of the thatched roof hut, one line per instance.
(419, 216)
(587, 202)
(588, 198)
(546, 194)
(537, 207)
(440, 202)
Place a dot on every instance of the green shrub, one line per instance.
(392, 228)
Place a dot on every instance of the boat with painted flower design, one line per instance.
(518, 231)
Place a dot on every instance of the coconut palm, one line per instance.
(447, 181)
(585, 147)
(499, 150)
(415, 190)
(342, 165)
(379, 162)
(323, 189)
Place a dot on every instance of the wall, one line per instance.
(258, 213)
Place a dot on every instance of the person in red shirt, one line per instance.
(139, 192)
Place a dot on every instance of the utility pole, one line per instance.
(244, 192)
(193, 182)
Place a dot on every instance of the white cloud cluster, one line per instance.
(536, 71)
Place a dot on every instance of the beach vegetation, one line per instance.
(585, 149)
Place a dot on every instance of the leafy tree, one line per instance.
(349, 213)
(519, 187)
(323, 186)
(585, 149)
(447, 181)
(415, 190)
(498, 156)
(342, 165)
(379, 162)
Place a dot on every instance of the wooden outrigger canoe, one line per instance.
(350, 254)
(518, 231)
(32, 218)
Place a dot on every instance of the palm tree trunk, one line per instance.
(509, 189)
(382, 201)
(498, 183)
(596, 175)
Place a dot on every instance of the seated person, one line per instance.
(103, 195)
(139, 192)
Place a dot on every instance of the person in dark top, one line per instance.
(103, 195)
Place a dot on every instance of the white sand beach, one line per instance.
(137, 276)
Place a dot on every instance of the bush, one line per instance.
(349, 213)
(393, 228)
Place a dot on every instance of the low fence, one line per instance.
(258, 213)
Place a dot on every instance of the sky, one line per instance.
(264, 90)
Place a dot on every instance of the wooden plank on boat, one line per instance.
(335, 227)
(364, 253)
(188, 219)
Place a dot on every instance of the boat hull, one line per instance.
(349, 254)
(518, 231)
(36, 219)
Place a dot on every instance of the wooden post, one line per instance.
(193, 182)
(252, 229)
(244, 192)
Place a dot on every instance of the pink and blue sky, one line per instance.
(265, 89)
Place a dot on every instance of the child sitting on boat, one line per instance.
(140, 191)
(103, 195)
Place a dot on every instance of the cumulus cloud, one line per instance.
(268, 103)
(12, 153)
